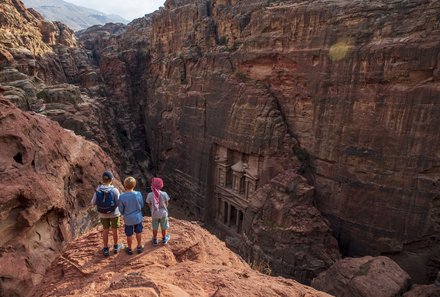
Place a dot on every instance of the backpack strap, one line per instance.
(161, 201)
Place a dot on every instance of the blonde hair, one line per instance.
(129, 183)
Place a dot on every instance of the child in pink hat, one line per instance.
(158, 202)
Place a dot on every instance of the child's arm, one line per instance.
(116, 191)
(121, 206)
(141, 200)
(167, 198)
(94, 199)
(149, 201)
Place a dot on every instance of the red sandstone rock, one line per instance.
(285, 216)
(348, 81)
(107, 114)
(195, 263)
(20, 28)
(27, 42)
(366, 276)
(47, 177)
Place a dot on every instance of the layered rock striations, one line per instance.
(15, 35)
(47, 177)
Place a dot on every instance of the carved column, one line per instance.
(229, 215)
(251, 184)
(221, 160)
(237, 225)
(219, 207)
(237, 172)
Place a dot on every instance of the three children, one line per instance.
(111, 205)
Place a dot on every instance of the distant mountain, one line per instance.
(76, 17)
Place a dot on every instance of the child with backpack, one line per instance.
(158, 203)
(130, 206)
(106, 200)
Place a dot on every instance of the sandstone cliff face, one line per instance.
(349, 82)
(81, 94)
(16, 36)
(27, 41)
(195, 263)
(226, 95)
(122, 65)
(47, 176)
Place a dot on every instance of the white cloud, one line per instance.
(128, 9)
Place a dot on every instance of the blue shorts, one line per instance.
(163, 223)
(130, 228)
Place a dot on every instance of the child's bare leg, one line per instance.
(138, 239)
(164, 233)
(154, 233)
(115, 235)
(129, 241)
(105, 237)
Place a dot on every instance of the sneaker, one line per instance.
(129, 251)
(117, 248)
(105, 252)
(154, 241)
(166, 239)
(140, 249)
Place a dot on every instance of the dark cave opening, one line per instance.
(18, 158)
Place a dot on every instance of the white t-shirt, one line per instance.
(107, 188)
(162, 211)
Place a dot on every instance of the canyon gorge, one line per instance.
(305, 134)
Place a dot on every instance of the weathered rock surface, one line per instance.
(47, 177)
(304, 242)
(195, 263)
(27, 41)
(122, 65)
(348, 81)
(366, 276)
(423, 291)
(50, 67)
(20, 29)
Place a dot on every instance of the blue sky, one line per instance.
(128, 9)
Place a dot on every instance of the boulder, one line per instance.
(363, 277)
(282, 212)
